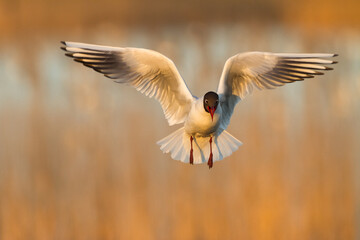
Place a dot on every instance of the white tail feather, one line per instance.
(178, 144)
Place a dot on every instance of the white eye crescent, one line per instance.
(206, 101)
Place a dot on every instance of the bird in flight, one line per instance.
(203, 138)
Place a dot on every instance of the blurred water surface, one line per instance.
(79, 160)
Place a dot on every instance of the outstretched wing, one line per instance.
(148, 71)
(265, 71)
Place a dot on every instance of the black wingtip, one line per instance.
(328, 68)
(335, 55)
(334, 62)
(63, 43)
(96, 70)
(63, 48)
(111, 77)
(69, 55)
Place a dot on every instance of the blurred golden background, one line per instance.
(78, 153)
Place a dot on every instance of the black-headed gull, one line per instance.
(203, 137)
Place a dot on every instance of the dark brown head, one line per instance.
(211, 101)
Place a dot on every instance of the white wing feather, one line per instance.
(148, 71)
(265, 71)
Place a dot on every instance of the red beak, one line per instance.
(212, 111)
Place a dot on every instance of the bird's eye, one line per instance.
(206, 101)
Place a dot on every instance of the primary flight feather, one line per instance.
(203, 137)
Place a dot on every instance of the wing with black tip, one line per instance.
(263, 70)
(148, 71)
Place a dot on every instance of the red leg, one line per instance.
(210, 162)
(191, 151)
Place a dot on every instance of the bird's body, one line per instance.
(204, 137)
(199, 124)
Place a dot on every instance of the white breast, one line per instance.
(199, 123)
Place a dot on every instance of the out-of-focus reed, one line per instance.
(79, 160)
